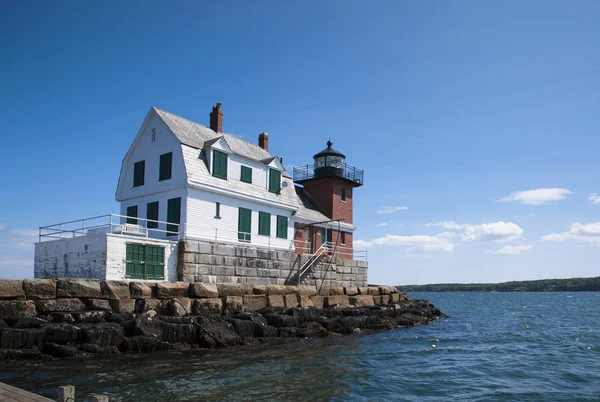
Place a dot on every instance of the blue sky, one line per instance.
(451, 108)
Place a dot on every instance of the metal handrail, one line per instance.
(311, 261)
(349, 172)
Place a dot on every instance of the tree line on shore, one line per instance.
(543, 285)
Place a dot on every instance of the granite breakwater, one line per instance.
(47, 319)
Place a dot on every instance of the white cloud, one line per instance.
(589, 232)
(382, 224)
(594, 198)
(22, 239)
(411, 243)
(510, 250)
(391, 210)
(496, 231)
(358, 244)
(538, 196)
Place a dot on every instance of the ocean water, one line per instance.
(495, 347)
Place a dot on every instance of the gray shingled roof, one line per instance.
(307, 207)
(196, 135)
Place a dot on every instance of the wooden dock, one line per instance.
(12, 394)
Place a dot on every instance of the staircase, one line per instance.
(314, 259)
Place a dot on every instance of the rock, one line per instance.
(60, 333)
(305, 301)
(336, 301)
(254, 302)
(180, 306)
(352, 291)
(244, 328)
(204, 290)
(97, 304)
(115, 289)
(234, 289)
(394, 298)
(102, 334)
(281, 290)
(138, 344)
(260, 289)
(87, 288)
(59, 305)
(337, 291)
(25, 322)
(21, 354)
(312, 329)
(67, 318)
(361, 300)
(307, 290)
(140, 290)
(207, 307)
(233, 304)
(363, 290)
(13, 338)
(17, 308)
(60, 351)
(90, 316)
(291, 300)
(122, 306)
(266, 331)
(166, 290)
(317, 301)
(381, 300)
(373, 291)
(217, 333)
(11, 289)
(157, 305)
(275, 301)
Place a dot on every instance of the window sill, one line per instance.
(344, 201)
(165, 179)
(217, 217)
(219, 177)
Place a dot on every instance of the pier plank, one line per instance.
(10, 393)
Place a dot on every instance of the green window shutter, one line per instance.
(138, 173)
(134, 261)
(264, 224)
(246, 174)
(282, 226)
(166, 161)
(173, 216)
(218, 210)
(155, 262)
(132, 214)
(220, 164)
(274, 181)
(152, 214)
(244, 224)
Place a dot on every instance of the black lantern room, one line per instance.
(329, 163)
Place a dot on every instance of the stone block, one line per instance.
(352, 291)
(203, 248)
(254, 302)
(207, 306)
(260, 289)
(291, 300)
(394, 298)
(204, 290)
(381, 300)
(223, 271)
(234, 289)
(362, 264)
(337, 291)
(281, 290)
(59, 305)
(17, 308)
(11, 289)
(115, 289)
(160, 306)
(245, 252)
(166, 290)
(189, 258)
(262, 273)
(385, 290)
(307, 290)
(336, 301)
(317, 301)
(90, 316)
(257, 281)
(373, 291)
(87, 288)
(361, 300)
(140, 290)
(180, 306)
(97, 304)
(305, 301)
(224, 250)
(122, 306)
(233, 304)
(242, 271)
(275, 301)
(40, 288)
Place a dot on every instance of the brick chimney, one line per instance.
(263, 141)
(216, 119)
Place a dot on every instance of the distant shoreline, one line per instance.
(542, 285)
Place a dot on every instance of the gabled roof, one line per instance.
(307, 207)
(198, 136)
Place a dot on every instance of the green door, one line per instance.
(144, 261)
(244, 224)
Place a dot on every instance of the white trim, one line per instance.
(276, 164)
(151, 194)
(229, 193)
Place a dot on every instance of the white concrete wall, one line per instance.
(202, 223)
(95, 257)
(79, 257)
(146, 150)
(115, 256)
(162, 199)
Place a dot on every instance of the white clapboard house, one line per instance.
(182, 180)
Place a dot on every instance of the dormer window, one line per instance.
(274, 181)
(220, 164)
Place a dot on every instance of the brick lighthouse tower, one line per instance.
(329, 182)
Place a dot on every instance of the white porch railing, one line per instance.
(110, 223)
